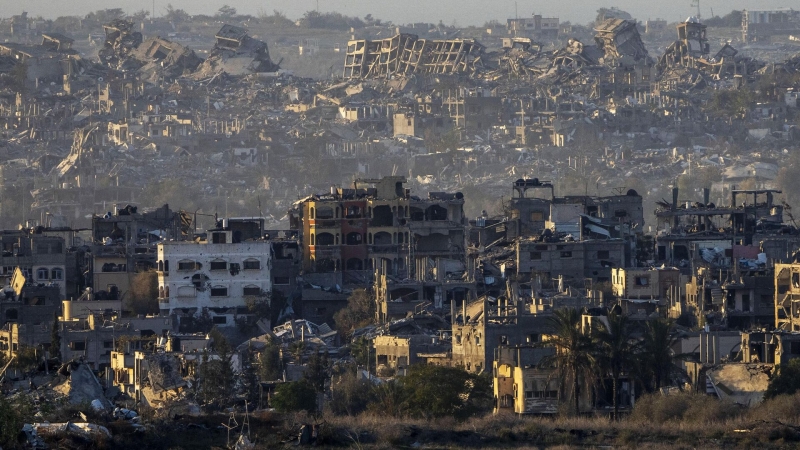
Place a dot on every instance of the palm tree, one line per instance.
(573, 359)
(297, 349)
(657, 351)
(617, 350)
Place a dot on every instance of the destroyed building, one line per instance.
(353, 231)
(407, 54)
(621, 43)
(235, 53)
(27, 310)
(120, 40)
(164, 59)
(124, 244)
(91, 329)
(761, 25)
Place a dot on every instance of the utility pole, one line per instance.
(696, 3)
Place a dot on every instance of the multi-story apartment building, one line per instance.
(352, 232)
(214, 276)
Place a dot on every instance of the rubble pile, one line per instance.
(161, 58)
(81, 385)
(121, 40)
(235, 53)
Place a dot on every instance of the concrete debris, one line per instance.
(407, 54)
(524, 169)
(35, 432)
(620, 40)
(82, 386)
(164, 372)
(124, 413)
(743, 384)
(120, 41)
(160, 58)
(235, 54)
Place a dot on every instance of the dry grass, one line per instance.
(684, 421)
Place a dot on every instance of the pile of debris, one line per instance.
(235, 53)
(81, 386)
(120, 41)
(160, 58)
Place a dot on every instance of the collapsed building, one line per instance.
(732, 254)
(407, 54)
(692, 51)
(235, 53)
(619, 40)
(163, 59)
(121, 40)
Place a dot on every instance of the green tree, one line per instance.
(297, 349)
(657, 357)
(269, 362)
(249, 385)
(785, 379)
(441, 143)
(350, 394)
(294, 396)
(730, 20)
(27, 360)
(363, 352)
(226, 12)
(55, 338)
(359, 312)
(103, 16)
(438, 391)
(139, 16)
(12, 420)
(574, 359)
(176, 15)
(389, 399)
(617, 351)
(317, 371)
(277, 19)
(732, 103)
(216, 374)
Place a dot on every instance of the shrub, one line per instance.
(696, 408)
(784, 380)
(437, 391)
(295, 396)
(350, 395)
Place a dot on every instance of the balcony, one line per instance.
(389, 248)
(324, 251)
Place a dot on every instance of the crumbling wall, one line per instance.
(164, 372)
(406, 54)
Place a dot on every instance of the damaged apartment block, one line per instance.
(379, 227)
(235, 53)
(407, 54)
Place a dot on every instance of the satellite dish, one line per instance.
(99, 79)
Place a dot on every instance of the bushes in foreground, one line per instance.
(427, 391)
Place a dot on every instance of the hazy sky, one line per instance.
(462, 12)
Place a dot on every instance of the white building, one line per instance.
(216, 276)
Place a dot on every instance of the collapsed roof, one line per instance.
(235, 53)
(619, 39)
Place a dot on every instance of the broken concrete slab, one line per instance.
(82, 386)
